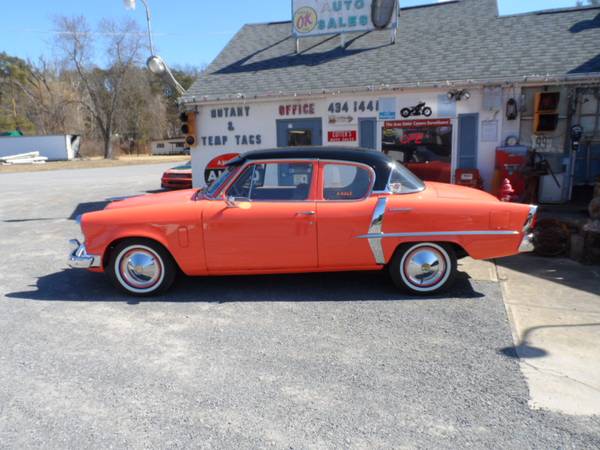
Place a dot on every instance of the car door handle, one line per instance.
(306, 213)
(400, 210)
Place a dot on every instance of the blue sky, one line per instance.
(188, 32)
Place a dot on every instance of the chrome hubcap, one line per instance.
(140, 268)
(425, 267)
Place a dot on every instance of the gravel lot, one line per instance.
(335, 360)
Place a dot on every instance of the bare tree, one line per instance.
(100, 87)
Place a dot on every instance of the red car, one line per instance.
(413, 137)
(179, 177)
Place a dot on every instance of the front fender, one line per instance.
(177, 228)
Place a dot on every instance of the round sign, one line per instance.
(305, 19)
(216, 166)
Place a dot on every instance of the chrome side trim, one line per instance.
(80, 259)
(375, 233)
(437, 233)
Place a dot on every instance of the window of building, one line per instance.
(160, 145)
(299, 138)
(424, 149)
(345, 182)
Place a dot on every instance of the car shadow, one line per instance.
(83, 208)
(84, 286)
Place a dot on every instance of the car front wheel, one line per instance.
(141, 267)
(423, 268)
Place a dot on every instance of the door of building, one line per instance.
(367, 133)
(299, 132)
(587, 163)
(468, 125)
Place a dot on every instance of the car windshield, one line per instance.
(216, 185)
(403, 181)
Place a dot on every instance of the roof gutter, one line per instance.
(187, 102)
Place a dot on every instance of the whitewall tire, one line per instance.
(141, 267)
(423, 267)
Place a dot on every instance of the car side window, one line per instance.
(345, 182)
(274, 181)
(241, 187)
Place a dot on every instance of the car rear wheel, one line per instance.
(423, 268)
(141, 267)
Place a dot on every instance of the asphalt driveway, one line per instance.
(317, 361)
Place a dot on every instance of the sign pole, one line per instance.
(396, 20)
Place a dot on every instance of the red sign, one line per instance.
(297, 109)
(217, 165)
(418, 123)
(341, 136)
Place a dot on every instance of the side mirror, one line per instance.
(396, 188)
(230, 201)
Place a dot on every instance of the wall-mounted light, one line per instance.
(459, 95)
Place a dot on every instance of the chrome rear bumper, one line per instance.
(79, 258)
(527, 243)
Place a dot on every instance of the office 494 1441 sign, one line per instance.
(316, 17)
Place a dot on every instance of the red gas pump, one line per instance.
(509, 165)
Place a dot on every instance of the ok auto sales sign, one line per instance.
(315, 17)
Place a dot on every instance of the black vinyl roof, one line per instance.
(379, 161)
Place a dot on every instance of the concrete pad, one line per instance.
(554, 310)
(478, 270)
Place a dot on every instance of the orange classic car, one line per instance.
(302, 210)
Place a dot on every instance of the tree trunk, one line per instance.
(108, 150)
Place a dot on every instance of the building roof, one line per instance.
(379, 161)
(456, 41)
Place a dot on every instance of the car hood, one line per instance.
(154, 199)
(453, 191)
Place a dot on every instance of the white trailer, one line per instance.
(55, 148)
(175, 146)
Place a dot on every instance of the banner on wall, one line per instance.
(417, 123)
(318, 17)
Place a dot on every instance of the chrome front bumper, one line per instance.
(79, 258)
(527, 243)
